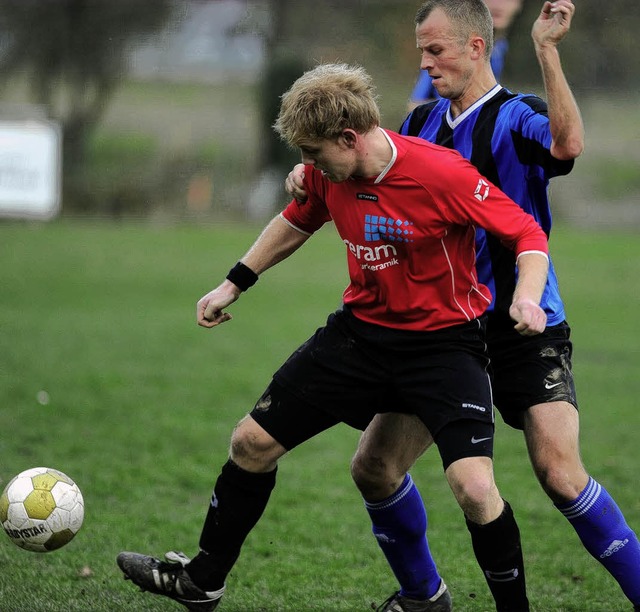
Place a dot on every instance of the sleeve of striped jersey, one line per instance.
(532, 138)
(416, 119)
(467, 198)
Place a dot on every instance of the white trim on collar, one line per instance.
(394, 156)
(462, 116)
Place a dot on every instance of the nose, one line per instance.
(308, 160)
(426, 61)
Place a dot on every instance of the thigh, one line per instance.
(552, 435)
(387, 449)
(395, 440)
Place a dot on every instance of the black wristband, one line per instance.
(242, 276)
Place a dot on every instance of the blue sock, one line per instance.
(400, 526)
(605, 534)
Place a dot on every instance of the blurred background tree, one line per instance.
(167, 105)
(72, 55)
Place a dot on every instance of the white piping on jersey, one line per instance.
(394, 156)
(474, 278)
(293, 226)
(462, 116)
(453, 283)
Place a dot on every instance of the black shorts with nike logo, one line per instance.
(349, 370)
(529, 370)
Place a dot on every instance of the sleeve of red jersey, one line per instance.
(466, 197)
(310, 215)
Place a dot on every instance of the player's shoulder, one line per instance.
(421, 145)
(418, 117)
(519, 103)
(427, 162)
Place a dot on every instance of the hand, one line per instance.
(553, 23)
(529, 317)
(209, 309)
(293, 183)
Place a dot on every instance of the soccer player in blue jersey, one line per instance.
(519, 142)
(503, 13)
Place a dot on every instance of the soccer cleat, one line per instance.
(440, 602)
(168, 579)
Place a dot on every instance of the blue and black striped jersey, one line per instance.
(507, 137)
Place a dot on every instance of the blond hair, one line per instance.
(326, 100)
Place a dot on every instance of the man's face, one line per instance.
(503, 12)
(333, 157)
(444, 56)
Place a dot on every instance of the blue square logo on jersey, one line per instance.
(386, 228)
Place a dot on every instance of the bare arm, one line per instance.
(567, 129)
(525, 307)
(276, 242)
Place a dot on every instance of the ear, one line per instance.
(478, 46)
(349, 137)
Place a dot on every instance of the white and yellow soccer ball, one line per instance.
(41, 509)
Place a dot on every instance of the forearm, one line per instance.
(525, 308)
(532, 277)
(565, 120)
(277, 241)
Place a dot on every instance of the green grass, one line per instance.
(142, 403)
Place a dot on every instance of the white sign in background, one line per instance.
(30, 169)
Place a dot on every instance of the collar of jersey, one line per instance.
(392, 161)
(479, 102)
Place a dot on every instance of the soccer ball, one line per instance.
(41, 509)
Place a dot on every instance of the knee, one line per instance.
(475, 490)
(252, 448)
(561, 481)
(473, 496)
(375, 478)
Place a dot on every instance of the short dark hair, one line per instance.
(467, 17)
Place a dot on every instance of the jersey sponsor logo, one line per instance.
(382, 251)
(614, 547)
(377, 227)
(482, 191)
(367, 196)
(381, 229)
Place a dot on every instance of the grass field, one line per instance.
(142, 403)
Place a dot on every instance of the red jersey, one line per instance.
(410, 234)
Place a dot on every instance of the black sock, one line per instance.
(238, 501)
(499, 554)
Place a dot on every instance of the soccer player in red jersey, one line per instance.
(409, 336)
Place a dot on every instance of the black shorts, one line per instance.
(529, 370)
(349, 370)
